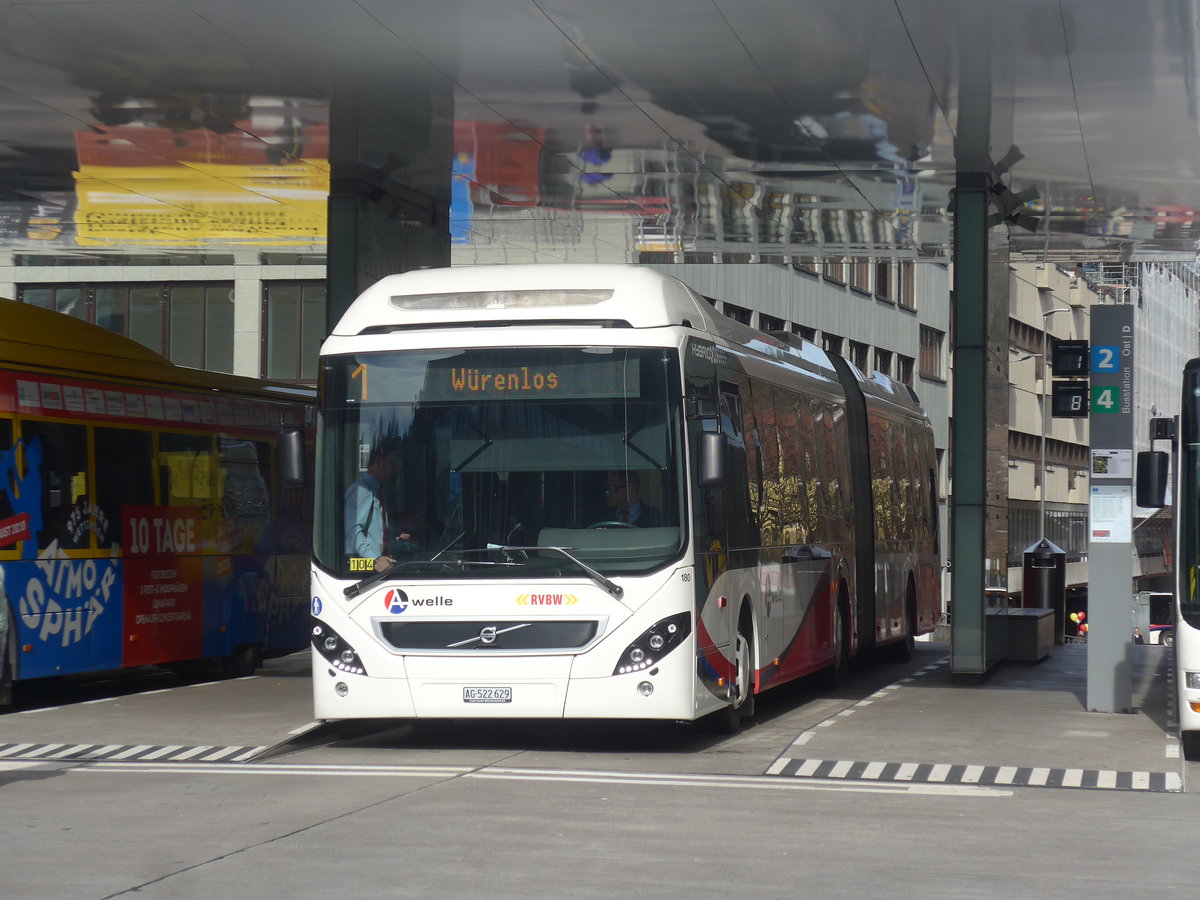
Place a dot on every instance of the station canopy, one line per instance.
(610, 130)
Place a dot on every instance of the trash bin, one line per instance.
(1044, 582)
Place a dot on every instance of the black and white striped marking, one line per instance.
(128, 753)
(987, 776)
(946, 773)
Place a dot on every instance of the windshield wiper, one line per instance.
(608, 584)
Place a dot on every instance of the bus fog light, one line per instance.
(645, 688)
(1191, 681)
(341, 689)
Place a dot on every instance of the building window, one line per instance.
(931, 353)
(860, 275)
(191, 324)
(906, 294)
(832, 343)
(835, 270)
(737, 313)
(808, 334)
(904, 369)
(859, 354)
(770, 323)
(202, 326)
(883, 361)
(294, 313)
(883, 280)
(70, 300)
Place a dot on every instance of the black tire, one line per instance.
(1167, 638)
(243, 661)
(835, 673)
(1191, 745)
(902, 650)
(729, 720)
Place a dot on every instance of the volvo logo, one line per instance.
(487, 635)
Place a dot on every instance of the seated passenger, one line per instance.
(623, 497)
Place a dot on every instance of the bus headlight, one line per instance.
(1191, 680)
(654, 643)
(335, 650)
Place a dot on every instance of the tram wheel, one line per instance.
(244, 660)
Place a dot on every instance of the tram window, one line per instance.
(55, 466)
(243, 480)
(124, 477)
(8, 472)
(185, 470)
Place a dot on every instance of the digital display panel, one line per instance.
(1070, 359)
(473, 376)
(1069, 399)
(579, 378)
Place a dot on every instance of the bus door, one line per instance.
(709, 517)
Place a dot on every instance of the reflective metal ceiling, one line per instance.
(600, 130)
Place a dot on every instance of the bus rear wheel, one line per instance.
(835, 673)
(901, 651)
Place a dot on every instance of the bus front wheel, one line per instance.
(741, 703)
(1191, 745)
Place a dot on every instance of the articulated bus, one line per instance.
(143, 517)
(1151, 491)
(603, 499)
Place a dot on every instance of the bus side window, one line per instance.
(124, 477)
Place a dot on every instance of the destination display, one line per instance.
(508, 375)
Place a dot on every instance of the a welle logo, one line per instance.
(516, 381)
(396, 601)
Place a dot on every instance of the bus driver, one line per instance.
(363, 511)
(624, 496)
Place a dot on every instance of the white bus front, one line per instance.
(531, 528)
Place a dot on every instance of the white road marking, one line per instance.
(162, 751)
(873, 770)
(563, 775)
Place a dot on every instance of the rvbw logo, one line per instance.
(395, 601)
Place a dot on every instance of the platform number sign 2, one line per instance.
(1106, 358)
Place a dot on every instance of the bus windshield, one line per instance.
(461, 463)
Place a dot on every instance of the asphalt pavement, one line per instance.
(1026, 725)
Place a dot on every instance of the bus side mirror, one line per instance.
(1153, 467)
(713, 459)
(291, 458)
